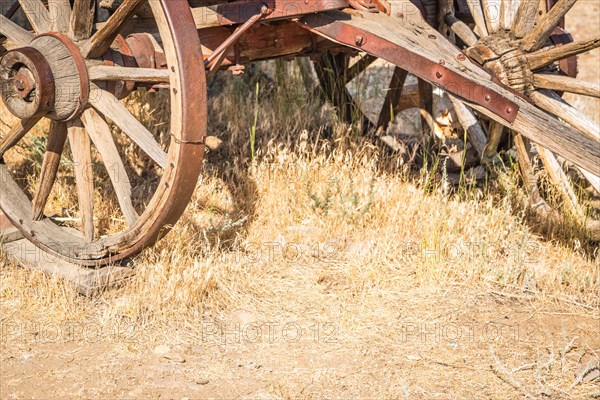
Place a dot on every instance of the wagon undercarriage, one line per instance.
(73, 61)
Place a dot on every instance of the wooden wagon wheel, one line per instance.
(71, 70)
(524, 45)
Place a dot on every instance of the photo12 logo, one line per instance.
(468, 332)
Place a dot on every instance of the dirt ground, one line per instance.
(442, 344)
(324, 325)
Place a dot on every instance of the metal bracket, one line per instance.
(434, 72)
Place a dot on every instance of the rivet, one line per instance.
(442, 62)
(461, 57)
(439, 75)
(488, 97)
(509, 110)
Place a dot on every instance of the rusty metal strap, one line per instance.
(434, 72)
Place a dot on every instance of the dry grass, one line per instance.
(331, 228)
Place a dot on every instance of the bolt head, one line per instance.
(20, 85)
(359, 40)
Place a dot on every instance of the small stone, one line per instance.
(213, 142)
(243, 318)
(175, 357)
(202, 381)
(412, 357)
(162, 349)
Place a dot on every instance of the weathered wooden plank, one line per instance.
(492, 10)
(493, 140)
(553, 103)
(508, 12)
(536, 201)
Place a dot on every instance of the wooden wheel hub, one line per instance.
(502, 56)
(26, 83)
(47, 78)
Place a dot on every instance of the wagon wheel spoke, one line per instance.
(75, 80)
(540, 88)
(491, 11)
(546, 56)
(115, 73)
(108, 105)
(101, 136)
(392, 98)
(525, 17)
(507, 13)
(54, 149)
(82, 19)
(561, 181)
(478, 17)
(37, 14)
(566, 84)
(101, 41)
(16, 134)
(542, 31)
(471, 124)
(60, 14)
(461, 30)
(82, 160)
(14, 32)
